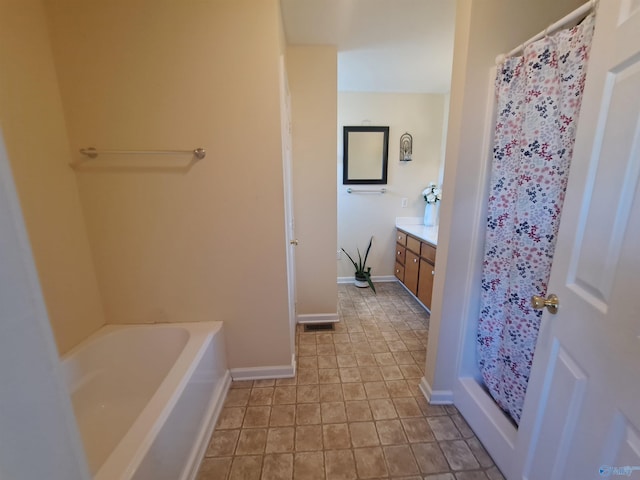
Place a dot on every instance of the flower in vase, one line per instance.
(432, 194)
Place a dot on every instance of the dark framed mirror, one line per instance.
(365, 155)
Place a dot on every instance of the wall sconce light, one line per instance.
(406, 147)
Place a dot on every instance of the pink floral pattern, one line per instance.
(538, 102)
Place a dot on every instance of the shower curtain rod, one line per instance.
(581, 11)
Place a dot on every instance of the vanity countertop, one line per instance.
(417, 229)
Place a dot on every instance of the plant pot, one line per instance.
(361, 281)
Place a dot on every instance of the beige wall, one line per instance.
(172, 244)
(313, 77)
(360, 216)
(36, 140)
(484, 29)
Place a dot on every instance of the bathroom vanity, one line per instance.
(415, 252)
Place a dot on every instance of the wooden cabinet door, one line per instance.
(411, 268)
(425, 285)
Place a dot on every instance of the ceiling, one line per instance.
(383, 45)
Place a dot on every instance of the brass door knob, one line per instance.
(551, 302)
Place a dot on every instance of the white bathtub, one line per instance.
(146, 398)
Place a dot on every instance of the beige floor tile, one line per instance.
(328, 375)
(333, 412)
(282, 415)
(327, 361)
(223, 443)
(237, 397)
(343, 348)
(382, 409)
(370, 374)
(348, 375)
(336, 436)
(261, 396)
(391, 372)
(411, 371)
(277, 467)
(214, 468)
(340, 465)
(429, 457)
(341, 338)
(384, 359)
(407, 407)
(459, 455)
(479, 452)
(390, 432)
(256, 417)
(346, 361)
(285, 382)
(494, 474)
(417, 430)
(324, 338)
(308, 362)
(398, 388)
(284, 395)
(308, 413)
(370, 462)
(397, 346)
(326, 349)
(358, 338)
(471, 476)
(354, 407)
(308, 438)
(404, 358)
(463, 426)
(308, 466)
(306, 350)
(443, 428)
(231, 417)
(308, 394)
(307, 376)
(358, 411)
(366, 360)
(378, 347)
(362, 347)
(241, 384)
(363, 434)
(252, 441)
(331, 392)
(400, 460)
(280, 440)
(440, 476)
(268, 382)
(353, 391)
(376, 390)
(246, 468)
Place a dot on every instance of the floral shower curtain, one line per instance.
(538, 101)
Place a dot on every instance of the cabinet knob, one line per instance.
(433, 272)
(415, 260)
(398, 253)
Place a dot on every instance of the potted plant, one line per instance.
(363, 273)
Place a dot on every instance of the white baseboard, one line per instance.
(318, 318)
(263, 373)
(378, 279)
(435, 397)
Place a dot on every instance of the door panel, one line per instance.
(581, 412)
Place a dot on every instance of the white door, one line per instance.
(285, 117)
(583, 410)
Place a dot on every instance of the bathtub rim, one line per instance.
(130, 451)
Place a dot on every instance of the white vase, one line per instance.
(430, 214)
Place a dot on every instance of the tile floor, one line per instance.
(353, 411)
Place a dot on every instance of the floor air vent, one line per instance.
(318, 327)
